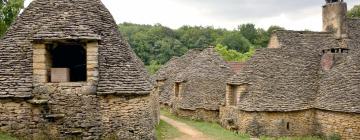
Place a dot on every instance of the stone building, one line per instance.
(199, 89)
(304, 83)
(67, 73)
(165, 77)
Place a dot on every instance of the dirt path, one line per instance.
(188, 131)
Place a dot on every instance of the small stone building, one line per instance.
(67, 73)
(304, 83)
(199, 89)
(165, 77)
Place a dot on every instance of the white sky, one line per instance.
(293, 15)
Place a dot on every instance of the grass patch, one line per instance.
(165, 131)
(4, 136)
(291, 138)
(213, 130)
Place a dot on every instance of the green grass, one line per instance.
(4, 136)
(213, 130)
(291, 138)
(165, 131)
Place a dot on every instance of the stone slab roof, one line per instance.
(65, 30)
(204, 82)
(168, 73)
(120, 70)
(287, 78)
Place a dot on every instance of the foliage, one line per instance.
(4, 136)
(249, 31)
(153, 67)
(233, 55)
(291, 138)
(236, 41)
(9, 10)
(159, 43)
(211, 129)
(333, 137)
(354, 12)
(165, 131)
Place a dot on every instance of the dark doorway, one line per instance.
(72, 56)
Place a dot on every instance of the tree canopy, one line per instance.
(156, 44)
(354, 12)
(9, 10)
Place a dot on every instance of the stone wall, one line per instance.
(128, 117)
(19, 117)
(71, 110)
(296, 123)
(198, 114)
(347, 125)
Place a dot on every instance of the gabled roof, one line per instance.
(120, 70)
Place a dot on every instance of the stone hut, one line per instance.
(199, 89)
(67, 73)
(304, 83)
(165, 77)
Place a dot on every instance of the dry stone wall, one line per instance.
(329, 123)
(81, 116)
(198, 114)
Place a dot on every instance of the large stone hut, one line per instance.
(304, 83)
(199, 89)
(165, 77)
(66, 72)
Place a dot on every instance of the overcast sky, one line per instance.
(291, 14)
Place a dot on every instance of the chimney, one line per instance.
(334, 18)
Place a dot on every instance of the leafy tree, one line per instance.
(156, 44)
(233, 55)
(274, 28)
(236, 41)
(249, 32)
(354, 12)
(153, 67)
(199, 37)
(9, 10)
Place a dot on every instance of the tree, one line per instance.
(232, 55)
(9, 10)
(354, 12)
(274, 28)
(236, 41)
(249, 32)
(157, 44)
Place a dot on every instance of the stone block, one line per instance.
(60, 75)
(41, 66)
(40, 58)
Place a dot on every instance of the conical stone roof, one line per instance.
(120, 70)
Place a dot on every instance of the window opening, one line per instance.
(177, 89)
(68, 59)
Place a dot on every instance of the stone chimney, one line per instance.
(334, 17)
